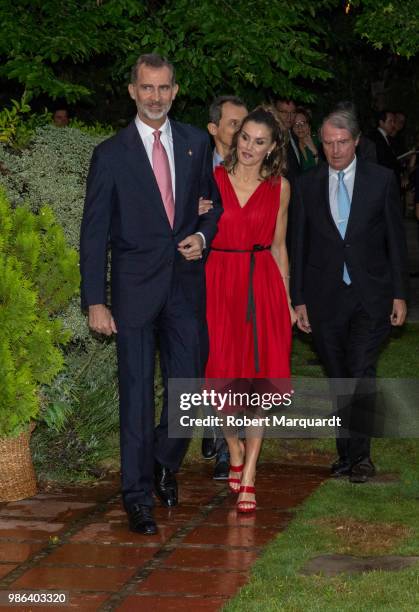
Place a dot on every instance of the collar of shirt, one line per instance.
(146, 131)
(349, 180)
(217, 160)
(349, 171)
(384, 134)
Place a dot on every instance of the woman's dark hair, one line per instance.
(275, 164)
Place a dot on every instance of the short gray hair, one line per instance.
(343, 120)
(155, 61)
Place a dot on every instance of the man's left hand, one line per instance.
(191, 247)
(398, 315)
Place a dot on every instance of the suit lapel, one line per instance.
(183, 154)
(325, 199)
(293, 148)
(142, 171)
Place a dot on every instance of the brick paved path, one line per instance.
(77, 540)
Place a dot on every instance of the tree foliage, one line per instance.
(394, 24)
(42, 40)
(82, 50)
(230, 46)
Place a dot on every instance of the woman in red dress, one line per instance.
(249, 313)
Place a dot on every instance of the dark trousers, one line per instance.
(181, 336)
(348, 343)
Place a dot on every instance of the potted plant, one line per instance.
(38, 276)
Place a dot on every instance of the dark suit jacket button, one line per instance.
(169, 262)
(347, 246)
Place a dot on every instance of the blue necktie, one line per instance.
(344, 208)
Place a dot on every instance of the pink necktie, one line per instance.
(161, 170)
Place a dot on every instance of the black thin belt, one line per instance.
(251, 304)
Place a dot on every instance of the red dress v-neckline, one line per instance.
(235, 194)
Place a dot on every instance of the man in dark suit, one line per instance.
(382, 137)
(287, 110)
(349, 275)
(142, 196)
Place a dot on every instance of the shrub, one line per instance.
(17, 125)
(80, 430)
(38, 276)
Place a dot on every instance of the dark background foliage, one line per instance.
(79, 52)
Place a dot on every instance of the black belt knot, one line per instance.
(251, 304)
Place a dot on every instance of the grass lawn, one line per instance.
(340, 518)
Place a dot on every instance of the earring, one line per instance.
(268, 155)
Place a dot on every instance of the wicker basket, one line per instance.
(17, 476)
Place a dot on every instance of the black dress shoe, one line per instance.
(222, 466)
(362, 471)
(140, 519)
(208, 447)
(341, 468)
(165, 485)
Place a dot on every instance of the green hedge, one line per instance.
(80, 415)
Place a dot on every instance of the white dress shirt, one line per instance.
(166, 138)
(348, 179)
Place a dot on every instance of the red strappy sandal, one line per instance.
(246, 506)
(237, 469)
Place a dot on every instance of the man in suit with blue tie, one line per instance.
(142, 199)
(349, 274)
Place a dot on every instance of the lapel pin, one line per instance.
(190, 152)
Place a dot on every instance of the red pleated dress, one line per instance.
(228, 279)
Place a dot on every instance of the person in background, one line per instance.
(61, 117)
(399, 143)
(415, 177)
(382, 138)
(307, 143)
(398, 137)
(287, 111)
(225, 116)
